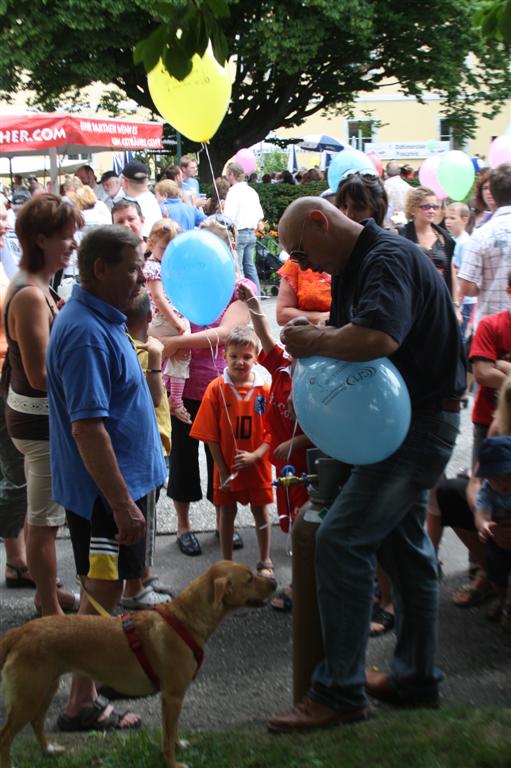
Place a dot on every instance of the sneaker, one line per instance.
(147, 598)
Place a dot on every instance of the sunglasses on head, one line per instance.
(352, 172)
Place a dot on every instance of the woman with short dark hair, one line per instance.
(45, 226)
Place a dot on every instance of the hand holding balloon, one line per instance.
(301, 339)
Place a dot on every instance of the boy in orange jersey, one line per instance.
(230, 420)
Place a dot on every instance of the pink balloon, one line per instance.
(500, 151)
(376, 161)
(247, 160)
(428, 176)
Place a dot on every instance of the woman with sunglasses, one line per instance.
(361, 196)
(421, 207)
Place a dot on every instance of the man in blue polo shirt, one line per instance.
(105, 448)
(387, 300)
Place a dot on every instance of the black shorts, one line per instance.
(452, 502)
(498, 564)
(96, 551)
(184, 478)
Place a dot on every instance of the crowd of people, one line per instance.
(98, 362)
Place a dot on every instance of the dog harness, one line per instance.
(130, 631)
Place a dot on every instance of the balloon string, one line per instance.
(232, 244)
(214, 355)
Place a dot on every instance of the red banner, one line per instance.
(32, 132)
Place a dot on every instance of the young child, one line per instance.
(167, 321)
(146, 592)
(494, 504)
(457, 216)
(231, 421)
(287, 442)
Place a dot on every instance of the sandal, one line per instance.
(88, 719)
(282, 602)
(237, 541)
(156, 586)
(22, 578)
(71, 607)
(265, 569)
(147, 598)
(494, 612)
(180, 412)
(474, 593)
(384, 618)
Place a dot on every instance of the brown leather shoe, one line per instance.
(378, 686)
(309, 714)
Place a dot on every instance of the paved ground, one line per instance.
(247, 670)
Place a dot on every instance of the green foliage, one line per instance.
(294, 58)
(274, 162)
(494, 19)
(184, 32)
(448, 738)
(276, 197)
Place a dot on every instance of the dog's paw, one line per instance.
(182, 744)
(54, 749)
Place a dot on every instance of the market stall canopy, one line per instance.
(36, 133)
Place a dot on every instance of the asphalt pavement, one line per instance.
(247, 674)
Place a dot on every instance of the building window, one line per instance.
(361, 132)
(87, 158)
(445, 131)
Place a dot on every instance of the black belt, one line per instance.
(450, 404)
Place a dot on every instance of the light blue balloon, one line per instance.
(348, 160)
(356, 412)
(198, 274)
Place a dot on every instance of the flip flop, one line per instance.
(88, 719)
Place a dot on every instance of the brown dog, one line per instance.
(34, 656)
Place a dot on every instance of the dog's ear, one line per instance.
(221, 587)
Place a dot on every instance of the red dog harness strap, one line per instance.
(136, 646)
(183, 634)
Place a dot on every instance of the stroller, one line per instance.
(267, 264)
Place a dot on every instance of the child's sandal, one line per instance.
(265, 569)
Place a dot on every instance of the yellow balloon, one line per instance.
(196, 105)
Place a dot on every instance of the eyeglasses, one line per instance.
(429, 207)
(297, 254)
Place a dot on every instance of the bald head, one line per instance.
(323, 235)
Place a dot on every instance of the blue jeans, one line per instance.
(246, 252)
(382, 509)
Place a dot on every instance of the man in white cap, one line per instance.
(134, 180)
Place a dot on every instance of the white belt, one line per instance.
(24, 404)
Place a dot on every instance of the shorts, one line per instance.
(498, 564)
(452, 501)
(41, 509)
(255, 496)
(184, 478)
(96, 551)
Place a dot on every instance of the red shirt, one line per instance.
(280, 423)
(492, 342)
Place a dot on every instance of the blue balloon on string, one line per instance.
(346, 161)
(198, 275)
(357, 412)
